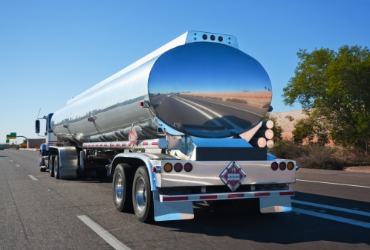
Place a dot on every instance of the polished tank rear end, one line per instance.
(200, 84)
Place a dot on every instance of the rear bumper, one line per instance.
(225, 196)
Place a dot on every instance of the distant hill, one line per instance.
(287, 121)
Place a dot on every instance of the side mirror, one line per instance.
(37, 126)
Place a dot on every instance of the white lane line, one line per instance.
(351, 211)
(331, 183)
(33, 177)
(211, 111)
(217, 123)
(228, 106)
(110, 239)
(333, 218)
(17, 165)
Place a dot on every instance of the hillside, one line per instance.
(284, 120)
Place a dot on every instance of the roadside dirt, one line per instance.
(365, 169)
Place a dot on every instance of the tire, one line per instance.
(56, 167)
(142, 196)
(122, 188)
(51, 166)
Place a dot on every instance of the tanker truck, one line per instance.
(182, 125)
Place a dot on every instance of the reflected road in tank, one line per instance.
(222, 118)
(209, 90)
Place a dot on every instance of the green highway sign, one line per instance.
(12, 135)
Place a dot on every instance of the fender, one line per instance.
(68, 160)
(136, 160)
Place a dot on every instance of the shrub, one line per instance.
(309, 156)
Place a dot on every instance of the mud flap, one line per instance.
(68, 162)
(275, 204)
(165, 211)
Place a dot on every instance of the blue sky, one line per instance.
(52, 50)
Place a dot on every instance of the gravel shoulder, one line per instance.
(365, 169)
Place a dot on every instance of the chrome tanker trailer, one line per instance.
(181, 125)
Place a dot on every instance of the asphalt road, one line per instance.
(207, 112)
(331, 211)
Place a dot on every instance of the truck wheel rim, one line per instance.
(118, 188)
(140, 194)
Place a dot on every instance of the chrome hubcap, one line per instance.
(118, 188)
(140, 194)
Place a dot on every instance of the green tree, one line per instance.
(277, 129)
(337, 86)
(311, 129)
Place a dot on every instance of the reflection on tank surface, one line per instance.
(219, 90)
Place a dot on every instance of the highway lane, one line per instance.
(215, 114)
(46, 213)
(34, 212)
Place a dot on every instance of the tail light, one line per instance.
(178, 167)
(282, 165)
(274, 166)
(188, 167)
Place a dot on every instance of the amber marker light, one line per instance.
(167, 167)
(290, 165)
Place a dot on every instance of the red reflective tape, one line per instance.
(154, 143)
(123, 144)
(105, 145)
(230, 196)
(145, 143)
(179, 198)
(208, 197)
(261, 194)
(287, 193)
(117, 145)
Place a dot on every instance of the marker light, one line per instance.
(204, 37)
(220, 38)
(274, 166)
(213, 37)
(282, 165)
(290, 165)
(167, 167)
(178, 167)
(188, 167)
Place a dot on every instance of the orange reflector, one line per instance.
(290, 165)
(167, 167)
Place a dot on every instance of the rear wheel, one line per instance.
(56, 168)
(122, 188)
(142, 196)
(51, 165)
